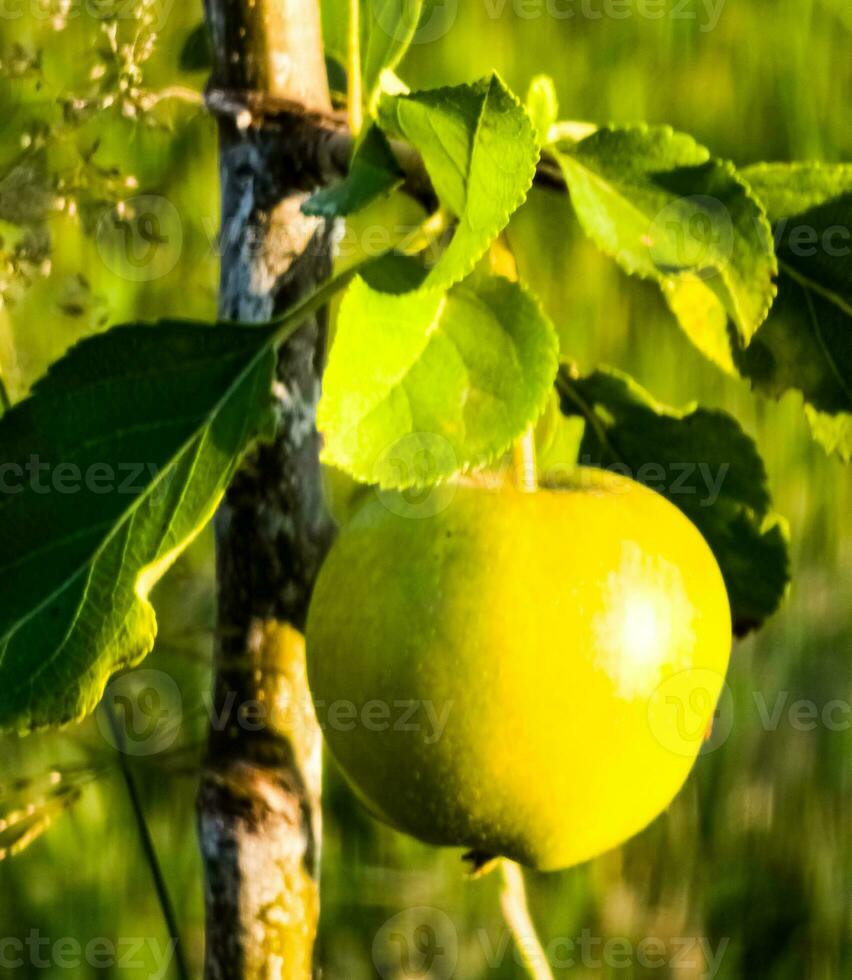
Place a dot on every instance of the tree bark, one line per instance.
(259, 800)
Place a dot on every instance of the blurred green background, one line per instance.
(752, 861)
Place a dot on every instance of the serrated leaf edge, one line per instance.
(367, 477)
(73, 708)
(470, 264)
(630, 268)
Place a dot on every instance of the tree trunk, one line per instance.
(259, 801)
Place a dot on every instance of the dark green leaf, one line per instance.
(806, 344)
(110, 468)
(338, 83)
(705, 464)
(197, 52)
(373, 172)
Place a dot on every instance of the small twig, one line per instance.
(179, 93)
(513, 900)
(148, 847)
(355, 97)
(332, 131)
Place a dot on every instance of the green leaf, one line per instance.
(114, 463)
(789, 189)
(387, 29)
(423, 385)
(806, 344)
(197, 51)
(390, 27)
(703, 319)
(832, 432)
(480, 150)
(704, 463)
(338, 83)
(542, 105)
(335, 23)
(373, 172)
(558, 438)
(655, 201)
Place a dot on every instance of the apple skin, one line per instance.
(561, 653)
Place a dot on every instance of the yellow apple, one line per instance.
(527, 674)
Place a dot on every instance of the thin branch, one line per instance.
(329, 140)
(513, 900)
(148, 847)
(355, 101)
(178, 93)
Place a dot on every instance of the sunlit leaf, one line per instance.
(426, 384)
(387, 28)
(480, 150)
(542, 105)
(390, 26)
(657, 202)
(702, 317)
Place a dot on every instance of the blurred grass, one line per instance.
(755, 852)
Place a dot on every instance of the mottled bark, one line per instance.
(259, 801)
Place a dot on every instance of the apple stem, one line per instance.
(503, 263)
(526, 471)
(516, 912)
